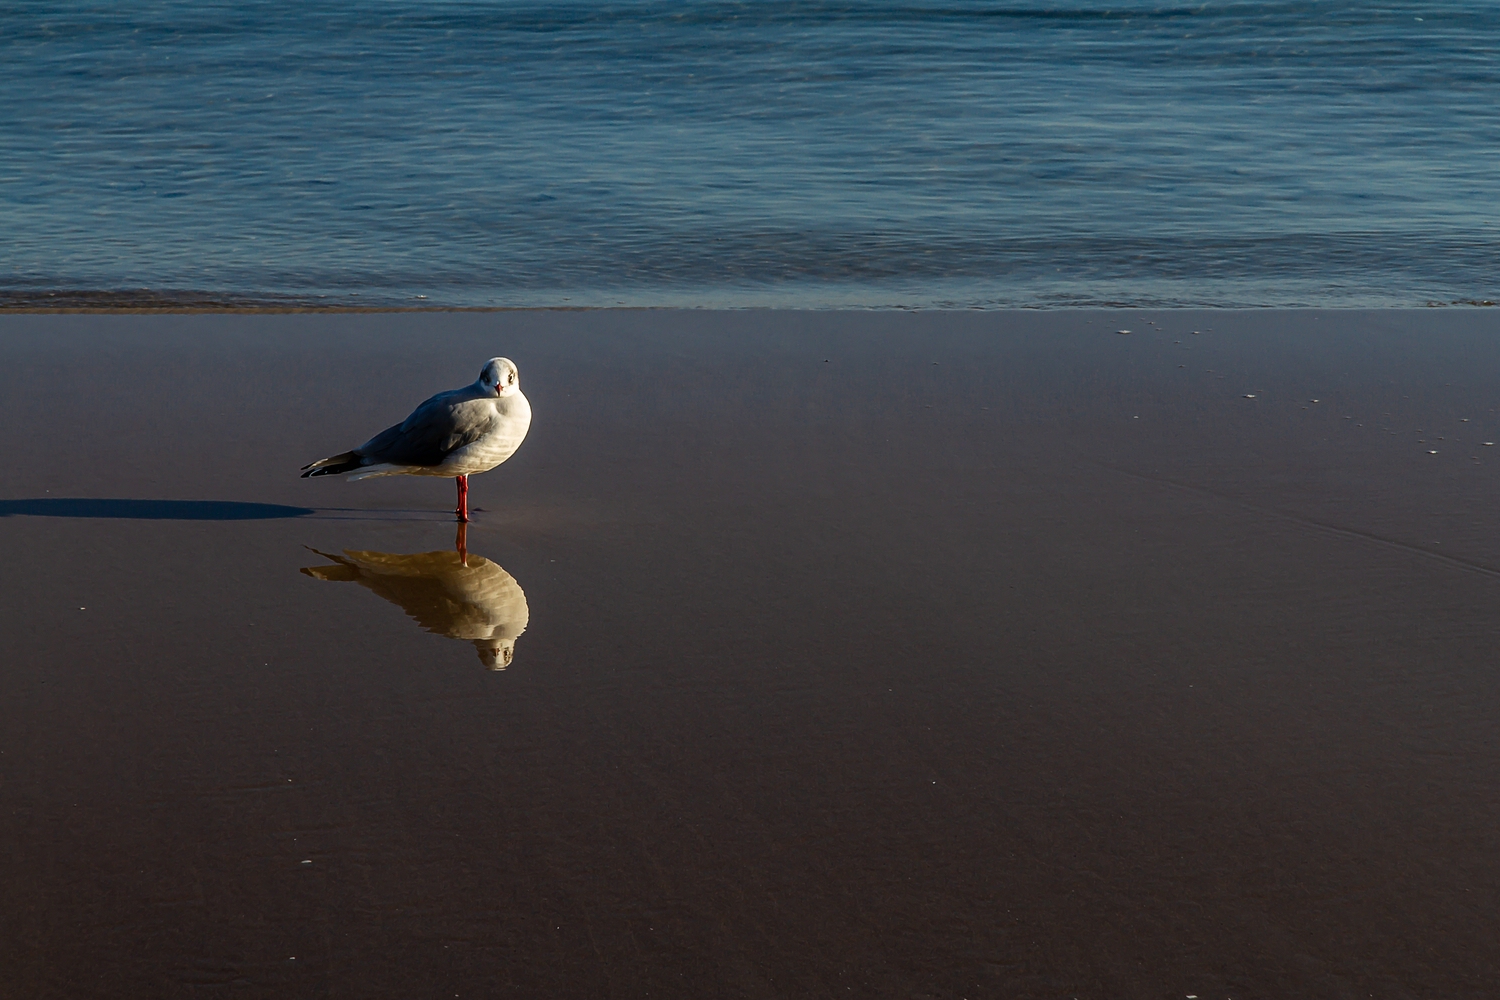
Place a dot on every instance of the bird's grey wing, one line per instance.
(433, 430)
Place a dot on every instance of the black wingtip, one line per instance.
(332, 470)
(347, 462)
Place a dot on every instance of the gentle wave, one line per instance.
(774, 153)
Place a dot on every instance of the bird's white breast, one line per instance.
(493, 604)
(507, 429)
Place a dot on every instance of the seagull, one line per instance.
(459, 433)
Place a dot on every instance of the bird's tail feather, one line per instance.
(341, 571)
(378, 469)
(334, 465)
(338, 574)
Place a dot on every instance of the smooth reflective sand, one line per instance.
(864, 655)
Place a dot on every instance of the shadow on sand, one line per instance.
(150, 510)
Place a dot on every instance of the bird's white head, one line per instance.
(496, 654)
(500, 377)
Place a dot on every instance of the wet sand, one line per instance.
(857, 655)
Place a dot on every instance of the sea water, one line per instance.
(885, 154)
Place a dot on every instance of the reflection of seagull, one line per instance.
(459, 433)
(463, 597)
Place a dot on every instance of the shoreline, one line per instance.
(147, 302)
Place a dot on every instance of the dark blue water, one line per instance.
(718, 153)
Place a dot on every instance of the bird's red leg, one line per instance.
(463, 498)
(461, 543)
